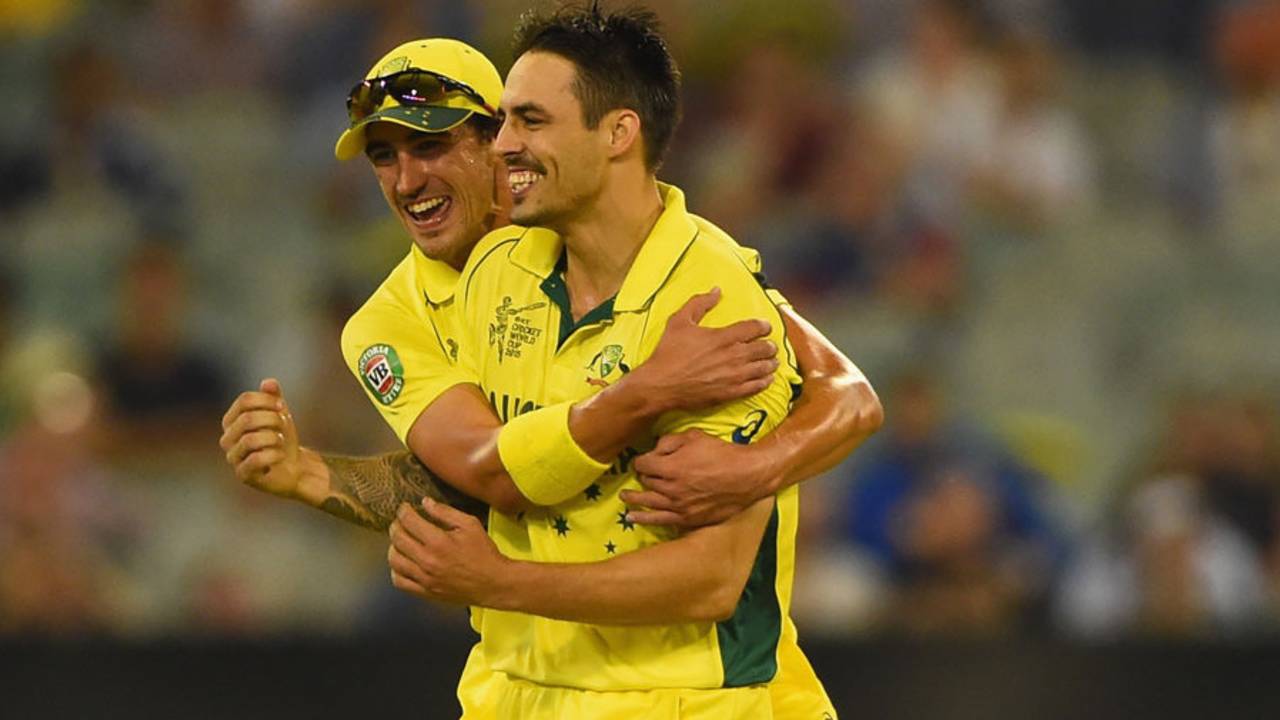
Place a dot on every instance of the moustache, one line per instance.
(525, 162)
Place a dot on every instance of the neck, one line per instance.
(603, 242)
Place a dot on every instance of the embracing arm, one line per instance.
(697, 577)
(548, 455)
(693, 479)
(559, 449)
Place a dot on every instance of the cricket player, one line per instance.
(601, 256)
(404, 343)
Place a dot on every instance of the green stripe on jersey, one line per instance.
(749, 639)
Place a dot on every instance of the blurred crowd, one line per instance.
(1047, 230)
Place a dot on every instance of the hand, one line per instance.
(695, 367)
(261, 441)
(446, 556)
(693, 479)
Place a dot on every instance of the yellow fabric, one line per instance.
(543, 459)
(520, 368)
(529, 701)
(413, 314)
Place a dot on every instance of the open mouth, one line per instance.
(521, 180)
(431, 211)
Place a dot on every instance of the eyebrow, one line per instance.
(527, 108)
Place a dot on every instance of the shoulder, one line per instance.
(493, 246)
(385, 313)
(711, 232)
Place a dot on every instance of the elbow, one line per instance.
(505, 497)
(869, 413)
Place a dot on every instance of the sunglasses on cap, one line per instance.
(411, 88)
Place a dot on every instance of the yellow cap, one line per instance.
(453, 59)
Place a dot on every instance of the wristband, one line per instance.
(546, 464)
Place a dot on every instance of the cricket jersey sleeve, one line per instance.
(742, 298)
(401, 359)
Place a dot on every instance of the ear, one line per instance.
(624, 132)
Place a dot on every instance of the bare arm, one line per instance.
(693, 479)
(261, 441)
(693, 367)
(458, 432)
(697, 577)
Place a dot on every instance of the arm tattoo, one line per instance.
(368, 490)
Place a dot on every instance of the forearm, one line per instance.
(367, 491)
(604, 423)
(830, 420)
(836, 412)
(697, 577)
(554, 453)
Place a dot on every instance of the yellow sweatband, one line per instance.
(543, 459)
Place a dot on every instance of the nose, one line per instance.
(410, 175)
(506, 143)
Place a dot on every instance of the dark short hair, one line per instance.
(622, 61)
(485, 127)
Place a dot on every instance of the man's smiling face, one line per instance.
(440, 185)
(556, 164)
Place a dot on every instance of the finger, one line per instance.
(408, 585)
(257, 420)
(759, 350)
(743, 331)
(445, 515)
(255, 462)
(647, 499)
(251, 442)
(657, 484)
(402, 540)
(289, 430)
(403, 566)
(653, 465)
(247, 402)
(656, 517)
(757, 369)
(696, 307)
(416, 526)
(673, 441)
(271, 386)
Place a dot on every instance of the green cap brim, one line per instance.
(427, 119)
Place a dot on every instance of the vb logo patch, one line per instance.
(604, 363)
(382, 372)
(748, 430)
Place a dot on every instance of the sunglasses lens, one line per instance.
(364, 100)
(415, 88)
(411, 88)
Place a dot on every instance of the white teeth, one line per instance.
(425, 205)
(521, 179)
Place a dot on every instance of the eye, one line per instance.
(430, 147)
(380, 156)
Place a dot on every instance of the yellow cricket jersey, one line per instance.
(403, 343)
(530, 353)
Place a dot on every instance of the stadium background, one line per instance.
(1047, 230)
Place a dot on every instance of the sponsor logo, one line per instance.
(382, 372)
(604, 363)
(748, 430)
(509, 333)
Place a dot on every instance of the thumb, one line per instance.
(290, 431)
(445, 516)
(696, 307)
(271, 386)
